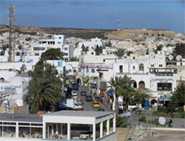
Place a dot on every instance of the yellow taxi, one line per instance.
(96, 104)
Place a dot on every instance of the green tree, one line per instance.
(120, 52)
(52, 54)
(45, 88)
(98, 50)
(84, 49)
(123, 88)
(178, 98)
(138, 97)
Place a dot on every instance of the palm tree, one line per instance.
(123, 88)
(45, 88)
(120, 52)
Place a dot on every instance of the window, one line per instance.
(133, 67)
(17, 53)
(100, 75)
(2, 79)
(141, 67)
(141, 85)
(152, 65)
(121, 68)
(87, 69)
(160, 65)
(164, 86)
(93, 70)
(36, 54)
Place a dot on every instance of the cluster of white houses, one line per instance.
(150, 71)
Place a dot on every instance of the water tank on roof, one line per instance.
(178, 57)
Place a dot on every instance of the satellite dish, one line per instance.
(178, 57)
(170, 57)
(162, 120)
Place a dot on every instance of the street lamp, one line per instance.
(114, 109)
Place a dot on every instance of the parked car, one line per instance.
(88, 98)
(78, 106)
(74, 93)
(96, 104)
(98, 99)
(134, 107)
(83, 93)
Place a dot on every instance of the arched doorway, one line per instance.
(133, 83)
(141, 67)
(153, 101)
(2, 79)
(142, 85)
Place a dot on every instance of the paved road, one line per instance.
(165, 136)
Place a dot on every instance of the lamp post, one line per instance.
(114, 109)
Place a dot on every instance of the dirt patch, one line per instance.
(122, 134)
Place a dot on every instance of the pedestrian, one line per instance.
(170, 123)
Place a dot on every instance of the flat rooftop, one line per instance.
(20, 117)
(94, 114)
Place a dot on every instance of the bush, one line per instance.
(121, 122)
(142, 118)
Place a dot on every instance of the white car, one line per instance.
(77, 107)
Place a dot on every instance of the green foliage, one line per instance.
(84, 49)
(98, 50)
(45, 88)
(142, 118)
(121, 122)
(159, 47)
(52, 54)
(123, 88)
(179, 49)
(178, 98)
(120, 52)
(138, 97)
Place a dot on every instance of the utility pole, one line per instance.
(12, 20)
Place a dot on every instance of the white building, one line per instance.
(63, 126)
(55, 41)
(89, 45)
(13, 87)
(149, 71)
